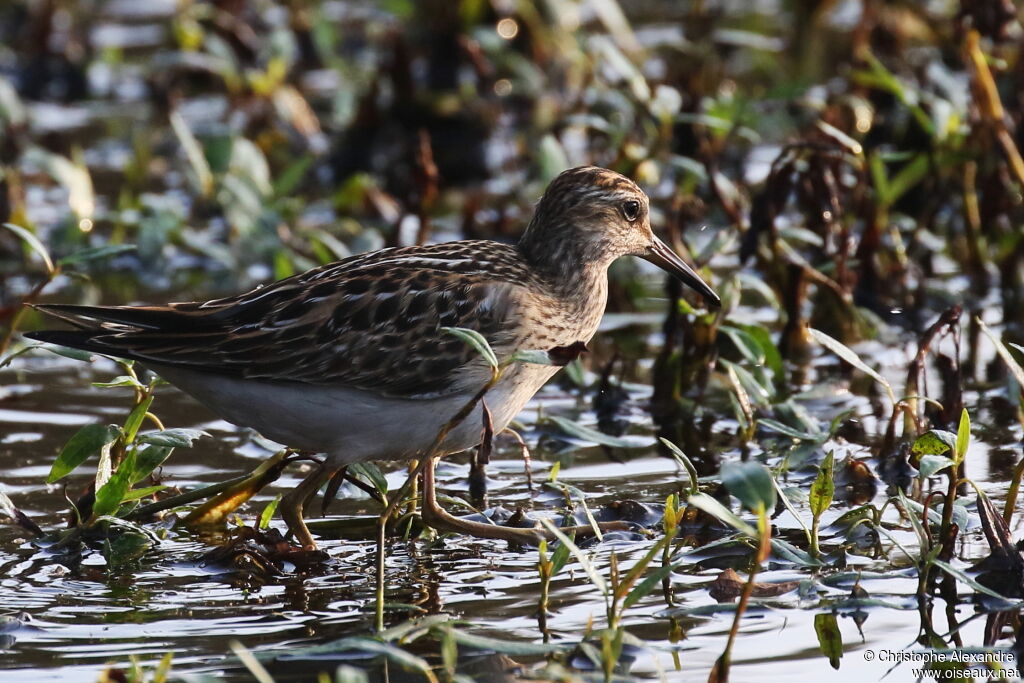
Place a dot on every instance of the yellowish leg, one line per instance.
(293, 504)
(435, 516)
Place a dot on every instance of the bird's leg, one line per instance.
(293, 504)
(435, 516)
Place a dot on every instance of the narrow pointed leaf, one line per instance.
(87, 441)
(847, 354)
(477, 341)
(33, 243)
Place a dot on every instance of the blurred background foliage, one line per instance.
(846, 151)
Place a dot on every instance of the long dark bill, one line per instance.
(662, 256)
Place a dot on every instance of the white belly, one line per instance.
(354, 425)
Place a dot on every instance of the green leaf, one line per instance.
(823, 488)
(847, 354)
(88, 440)
(772, 357)
(748, 347)
(125, 548)
(292, 175)
(33, 243)
(934, 442)
(147, 459)
(687, 464)
(136, 494)
(830, 639)
(703, 501)
(930, 465)
(786, 430)
(194, 153)
(477, 341)
(588, 568)
(653, 579)
(121, 381)
(370, 473)
(559, 558)
(65, 352)
(593, 436)
(535, 357)
(110, 496)
(963, 437)
(506, 647)
(789, 552)
(95, 254)
(961, 576)
(760, 394)
(350, 674)
(268, 512)
(135, 418)
(393, 653)
(907, 177)
(172, 438)
(1004, 353)
(551, 158)
(751, 483)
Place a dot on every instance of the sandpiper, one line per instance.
(351, 360)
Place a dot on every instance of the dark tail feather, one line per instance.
(75, 339)
(139, 317)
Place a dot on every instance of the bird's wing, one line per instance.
(370, 322)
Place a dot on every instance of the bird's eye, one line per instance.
(631, 210)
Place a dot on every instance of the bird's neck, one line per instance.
(564, 258)
(568, 268)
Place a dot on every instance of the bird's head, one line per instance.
(592, 215)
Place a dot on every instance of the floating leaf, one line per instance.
(393, 653)
(125, 548)
(786, 430)
(751, 483)
(506, 647)
(962, 576)
(88, 440)
(789, 552)
(593, 436)
(703, 501)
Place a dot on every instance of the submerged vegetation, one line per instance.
(834, 454)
